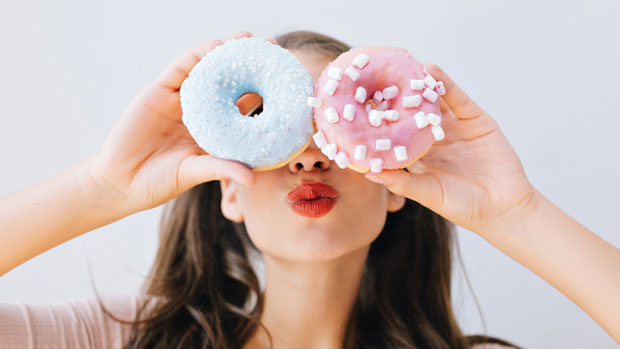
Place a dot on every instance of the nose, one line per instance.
(311, 159)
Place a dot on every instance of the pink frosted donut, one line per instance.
(376, 108)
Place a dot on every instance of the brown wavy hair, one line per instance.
(209, 295)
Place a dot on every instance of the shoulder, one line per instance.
(126, 306)
(80, 323)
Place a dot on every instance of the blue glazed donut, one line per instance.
(265, 141)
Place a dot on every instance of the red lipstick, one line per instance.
(312, 199)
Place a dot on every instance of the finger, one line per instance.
(449, 122)
(272, 40)
(239, 35)
(423, 188)
(198, 169)
(457, 100)
(417, 167)
(443, 106)
(462, 129)
(173, 76)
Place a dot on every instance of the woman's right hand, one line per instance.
(149, 157)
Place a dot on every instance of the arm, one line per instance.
(148, 158)
(49, 213)
(573, 259)
(474, 178)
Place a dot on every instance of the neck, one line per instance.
(307, 304)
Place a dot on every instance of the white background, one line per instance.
(547, 71)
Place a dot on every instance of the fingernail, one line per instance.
(376, 179)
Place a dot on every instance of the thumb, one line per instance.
(174, 75)
(422, 188)
(198, 169)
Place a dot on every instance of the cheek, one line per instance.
(263, 211)
(366, 211)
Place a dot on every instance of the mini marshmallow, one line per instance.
(430, 82)
(319, 139)
(330, 87)
(433, 119)
(383, 144)
(360, 152)
(360, 94)
(430, 95)
(420, 119)
(349, 112)
(375, 118)
(376, 165)
(314, 102)
(437, 132)
(412, 101)
(391, 115)
(331, 115)
(416, 84)
(368, 108)
(390, 92)
(341, 159)
(400, 153)
(334, 73)
(361, 60)
(352, 73)
(441, 89)
(330, 150)
(385, 105)
(377, 97)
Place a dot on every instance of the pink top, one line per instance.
(77, 324)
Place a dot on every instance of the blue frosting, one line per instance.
(209, 93)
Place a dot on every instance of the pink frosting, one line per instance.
(387, 66)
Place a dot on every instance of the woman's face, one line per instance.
(276, 228)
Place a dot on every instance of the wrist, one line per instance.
(506, 225)
(97, 193)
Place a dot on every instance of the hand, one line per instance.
(149, 157)
(472, 177)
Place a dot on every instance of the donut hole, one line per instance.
(372, 103)
(379, 104)
(250, 104)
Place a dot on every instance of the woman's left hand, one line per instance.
(472, 177)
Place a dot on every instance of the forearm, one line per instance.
(49, 213)
(574, 260)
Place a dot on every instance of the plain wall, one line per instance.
(547, 71)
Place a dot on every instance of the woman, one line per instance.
(374, 272)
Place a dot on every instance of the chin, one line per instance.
(317, 246)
